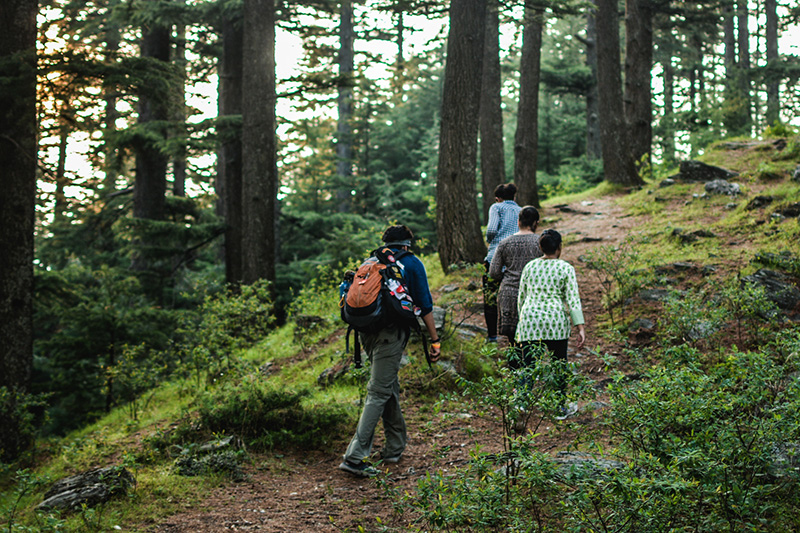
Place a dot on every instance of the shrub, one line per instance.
(269, 417)
(615, 269)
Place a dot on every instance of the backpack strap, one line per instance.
(356, 346)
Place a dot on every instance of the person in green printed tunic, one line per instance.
(549, 307)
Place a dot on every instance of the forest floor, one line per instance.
(305, 491)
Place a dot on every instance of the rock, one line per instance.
(759, 201)
(473, 286)
(723, 187)
(702, 329)
(785, 460)
(777, 287)
(792, 210)
(451, 287)
(641, 323)
(90, 488)
(569, 460)
(696, 171)
(654, 295)
(329, 376)
(667, 182)
(796, 174)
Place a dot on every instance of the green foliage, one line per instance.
(690, 318)
(783, 260)
(616, 269)
(224, 324)
(728, 433)
(18, 420)
(25, 482)
(269, 417)
(85, 320)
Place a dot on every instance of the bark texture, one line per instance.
(17, 201)
(151, 161)
(618, 163)
(229, 176)
(773, 83)
(259, 144)
(493, 163)
(638, 80)
(526, 138)
(458, 225)
(344, 133)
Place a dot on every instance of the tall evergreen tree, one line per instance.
(18, 154)
(638, 80)
(344, 140)
(526, 139)
(151, 160)
(493, 165)
(259, 143)
(618, 163)
(458, 224)
(773, 83)
(229, 163)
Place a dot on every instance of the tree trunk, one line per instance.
(773, 83)
(344, 135)
(18, 153)
(458, 225)
(151, 162)
(526, 138)
(229, 177)
(112, 165)
(491, 115)
(731, 114)
(593, 144)
(668, 144)
(259, 143)
(743, 39)
(179, 159)
(638, 66)
(618, 164)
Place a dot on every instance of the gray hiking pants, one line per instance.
(384, 350)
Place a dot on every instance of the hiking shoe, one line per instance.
(361, 469)
(491, 339)
(392, 459)
(567, 411)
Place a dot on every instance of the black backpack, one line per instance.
(376, 296)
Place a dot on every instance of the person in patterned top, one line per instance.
(511, 256)
(502, 223)
(549, 307)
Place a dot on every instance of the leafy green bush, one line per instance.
(729, 434)
(269, 417)
(690, 317)
(18, 422)
(616, 269)
(224, 324)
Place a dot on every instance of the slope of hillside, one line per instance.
(687, 239)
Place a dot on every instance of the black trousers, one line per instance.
(528, 353)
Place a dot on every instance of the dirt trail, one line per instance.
(306, 492)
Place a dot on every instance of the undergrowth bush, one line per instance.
(728, 432)
(617, 270)
(268, 417)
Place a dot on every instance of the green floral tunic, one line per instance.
(547, 288)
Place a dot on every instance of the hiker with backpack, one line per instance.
(385, 340)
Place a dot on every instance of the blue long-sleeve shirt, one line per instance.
(502, 223)
(416, 279)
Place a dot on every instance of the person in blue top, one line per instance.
(384, 350)
(503, 216)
